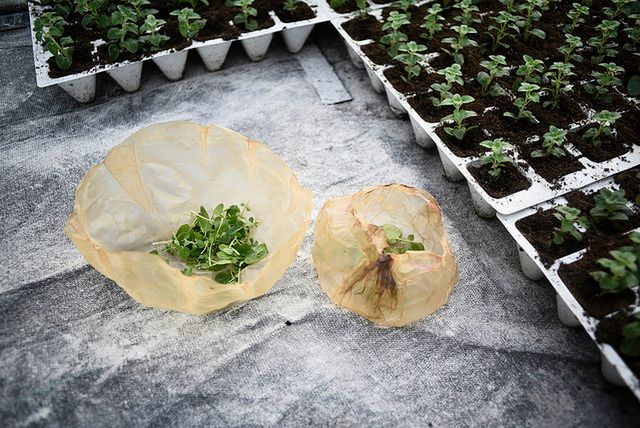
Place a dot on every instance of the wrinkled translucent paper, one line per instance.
(147, 187)
(354, 272)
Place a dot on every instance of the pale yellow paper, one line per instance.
(348, 254)
(147, 187)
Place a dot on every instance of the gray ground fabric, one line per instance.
(75, 350)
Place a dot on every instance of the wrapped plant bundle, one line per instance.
(383, 253)
(149, 185)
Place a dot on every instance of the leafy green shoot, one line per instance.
(189, 22)
(604, 81)
(458, 116)
(394, 37)
(630, 344)
(571, 221)
(605, 120)
(150, 31)
(396, 244)
(552, 142)
(49, 29)
(497, 159)
(432, 21)
(410, 55)
(457, 44)
(123, 36)
(611, 205)
(530, 95)
(496, 66)
(621, 269)
(452, 74)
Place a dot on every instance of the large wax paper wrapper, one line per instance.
(147, 187)
(355, 272)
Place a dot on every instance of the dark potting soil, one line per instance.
(302, 12)
(363, 28)
(629, 181)
(551, 168)
(347, 6)
(609, 149)
(377, 54)
(609, 331)
(510, 180)
(424, 80)
(586, 290)
(601, 229)
(470, 144)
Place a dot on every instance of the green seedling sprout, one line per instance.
(150, 31)
(497, 159)
(432, 21)
(615, 12)
(247, 14)
(509, 5)
(604, 80)
(552, 142)
(467, 11)
(394, 37)
(611, 205)
(530, 95)
(362, 5)
(49, 30)
(189, 22)
(568, 48)
(605, 120)
(337, 4)
(194, 3)
(404, 6)
(410, 56)
(452, 74)
(532, 14)
(506, 26)
(62, 8)
(92, 13)
(622, 268)
(558, 75)
(570, 221)
(396, 244)
(459, 115)
(630, 344)
(458, 43)
(576, 14)
(140, 10)
(633, 34)
(124, 34)
(605, 44)
(529, 72)
(496, 67)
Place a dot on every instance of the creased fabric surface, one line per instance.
(75, 350)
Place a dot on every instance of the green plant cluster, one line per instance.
(620, 269)
(396, 244)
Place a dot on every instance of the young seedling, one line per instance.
(49, 29)
(140, 10)
(529, 72)
(611, 205)
(622, 272)
(405, 6)
(605, 44)
(194, 3)
(394, 37)
(568, 48)
(570, 221)
(432, 21)
(576, 14)
(497, 159)
(496, 67)
(459, 115)
(452, 74)
(247, 15)
(124, 34)
(633, 34)
(62, 8)
(396, 244)
(362, 5)
(509, 5)
(552, 142)
(458, 43)
(150, 31)
(530, 95)
(532, 14)
(605, 120)
(337, 4)
(615, 12)
(467, 11)
(410, 56)
(630, 344)
(506, 26)
(93, 13)
(219, 242)
(189, 22)
(558, 75)
(604, 80)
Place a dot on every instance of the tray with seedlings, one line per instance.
(74, 40)
(525, 99)
(587, 244)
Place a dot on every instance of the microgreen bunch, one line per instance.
(138, 7)
(459, 115)
(219, 242)
(530, 95)
(604, 80)
(497, 159)
(458, 43)
(558, 75)
(568, 48)
(552, 142)
(394, 36)
(410, 56)
(93, 13)
(630, 344)
(530, 71)
(396, 243)
(506, 26)
(605, 120)
(150, 31)
(195, 3)
(496, 67)
(622, 267)
(467, 10)
(576, 14)
(452, 74)
(605, 44)
(570, 219)
(49, 29)
(247, 14)
(611, 205)
(432, 21)
(531, 10)
(189, 22)
(124, 33)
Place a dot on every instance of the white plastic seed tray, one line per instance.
(213, 53)
(570, 312)
(456, 168)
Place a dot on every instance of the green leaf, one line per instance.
(187, 271)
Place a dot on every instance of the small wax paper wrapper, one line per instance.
(389, 289)
(147, 187)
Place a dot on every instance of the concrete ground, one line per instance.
(76, 350)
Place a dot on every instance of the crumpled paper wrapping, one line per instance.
(147, 187)
(389, 289)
